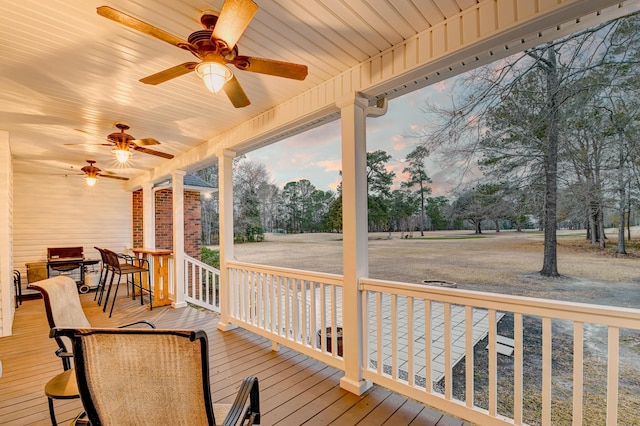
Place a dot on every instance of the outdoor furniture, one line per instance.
(61, 386)
(63, 307)
(138, 266)
(131, 260)
(67, 259)
(171, 387)
(159, 260)
(104, 273)
(17, 287)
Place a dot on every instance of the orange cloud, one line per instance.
(328, 165)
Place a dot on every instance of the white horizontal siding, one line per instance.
(59, 211)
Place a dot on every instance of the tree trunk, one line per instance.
(622, 196)
(421, 210)
(599, 207)
(550, 260)
(478, 227)
(593, 223)
(628, 220)
(629, 213)
(621, 241)
(602, 237)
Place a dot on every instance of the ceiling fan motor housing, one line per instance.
(202, 41)
(121, 139)
(91, 170)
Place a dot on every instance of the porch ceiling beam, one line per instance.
(491, 30)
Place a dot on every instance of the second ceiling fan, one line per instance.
(216, 48)
(122, 141)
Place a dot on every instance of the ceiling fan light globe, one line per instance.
(214, 75)
(91, 181)
(122, 155)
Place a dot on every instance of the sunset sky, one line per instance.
(315, 154)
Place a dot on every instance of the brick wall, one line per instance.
(192, 224)
(164, 221)
(137, 220)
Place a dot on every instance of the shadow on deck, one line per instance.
(294, 389)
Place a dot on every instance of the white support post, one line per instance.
(7, 310)
(177, 178)
(354, 111)
(148, 216)
(225, 188)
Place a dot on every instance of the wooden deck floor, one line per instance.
(294, 389)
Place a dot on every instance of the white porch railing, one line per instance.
(202, 284)
(412, 312)
(299, 308)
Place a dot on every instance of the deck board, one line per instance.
(384, 410)
(294, 389)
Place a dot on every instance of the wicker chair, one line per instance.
(171, 387)
(63, 307)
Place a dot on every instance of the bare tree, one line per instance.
(209, 206)
(508, 118)
(250, 181)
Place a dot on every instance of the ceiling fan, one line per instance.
(122, 141)
(216, 47)
(91, 173)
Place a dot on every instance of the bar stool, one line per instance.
(104, 273)
(129, 271)
(130, 260)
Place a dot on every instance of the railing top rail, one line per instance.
(574, 311)
(199, 262)
(333, 279)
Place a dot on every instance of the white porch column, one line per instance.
(225, 188)
(177, 178)
(6, 237)
(355, 238)
(148, 216)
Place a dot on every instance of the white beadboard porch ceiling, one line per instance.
(63, 68)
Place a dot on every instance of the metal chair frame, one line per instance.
(64, 313)
(17, 284)
(153, 393)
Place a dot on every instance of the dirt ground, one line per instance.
(506, 262)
